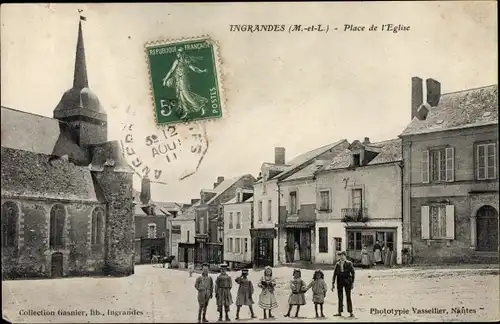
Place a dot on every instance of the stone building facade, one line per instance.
(238, 220)
(209, 223)
(359, 201)
(66, 199)
(450, 153)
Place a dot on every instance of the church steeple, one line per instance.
(79, 106)
(80, 80)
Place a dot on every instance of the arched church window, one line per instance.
(98, 220)
(57, 222)
(10, 215)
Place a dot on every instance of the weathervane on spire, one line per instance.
(82, 17)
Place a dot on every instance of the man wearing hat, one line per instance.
(223, 285)
(205, 287)
(344, 275)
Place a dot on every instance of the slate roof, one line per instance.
(234, 200)
(223, 186)
(31, 174)
(190, 213)
(390, 151)
(457, 110)
(298, 162)
(38, 134)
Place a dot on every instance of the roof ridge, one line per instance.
(465, 90)
(30, 113)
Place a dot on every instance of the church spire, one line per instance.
(80, 77)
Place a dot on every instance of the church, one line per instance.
(66, 199)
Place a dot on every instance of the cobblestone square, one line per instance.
(167, 295)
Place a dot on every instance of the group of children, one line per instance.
(267, 300)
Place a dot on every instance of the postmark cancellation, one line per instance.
(164, 154)
(185, 80)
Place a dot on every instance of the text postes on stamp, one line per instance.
(167, 154)
(185, 82)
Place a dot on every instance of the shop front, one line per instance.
(298, 241)
(186, 254)
(357, 237)
(263, 245)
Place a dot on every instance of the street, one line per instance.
(168, 295)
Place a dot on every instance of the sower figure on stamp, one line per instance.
(245, 293)
(297, 297)
(223, 285)
(205, 287)
(344, 275)
(177, 77)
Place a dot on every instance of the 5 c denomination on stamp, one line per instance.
(185, 80)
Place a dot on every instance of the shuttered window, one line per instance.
(323, 239)
(324, 204)
(486, 161)
(237, 245)
(438, 222)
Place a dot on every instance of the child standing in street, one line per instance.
(245, 293)
(297, 297)
(205, 287)
(319, 290)
(223, 285)
(267, 300)
(191, 269)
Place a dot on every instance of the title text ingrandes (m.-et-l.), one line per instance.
(324, 28)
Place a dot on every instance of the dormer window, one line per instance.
(356, 160)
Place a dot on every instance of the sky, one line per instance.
(295, 90)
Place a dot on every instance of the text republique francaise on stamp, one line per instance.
(185, 80)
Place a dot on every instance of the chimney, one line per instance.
(145, 191)
(417, 95)
(194, 201)
(433, 92)
(366, 140)
(219, 180)
(215, 184)
(279, 155)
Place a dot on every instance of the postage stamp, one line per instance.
(185, 80)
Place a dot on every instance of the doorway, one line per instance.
(263, 252)
(56, 265)
(487, 229)
(302, 237)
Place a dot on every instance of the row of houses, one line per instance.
(430, 195)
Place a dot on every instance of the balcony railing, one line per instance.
(354, 215)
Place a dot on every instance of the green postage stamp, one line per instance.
(184, 77)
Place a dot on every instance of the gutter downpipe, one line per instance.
(401, 166)
(278, 227)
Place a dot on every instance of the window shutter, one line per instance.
(450, 164)
(491, 151)
(480, 165)
(242, 250)
(425, 222)
(425, 166)
(450, 222)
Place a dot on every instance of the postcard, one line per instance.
(250, 162)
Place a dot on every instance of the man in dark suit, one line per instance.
(344, 275)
